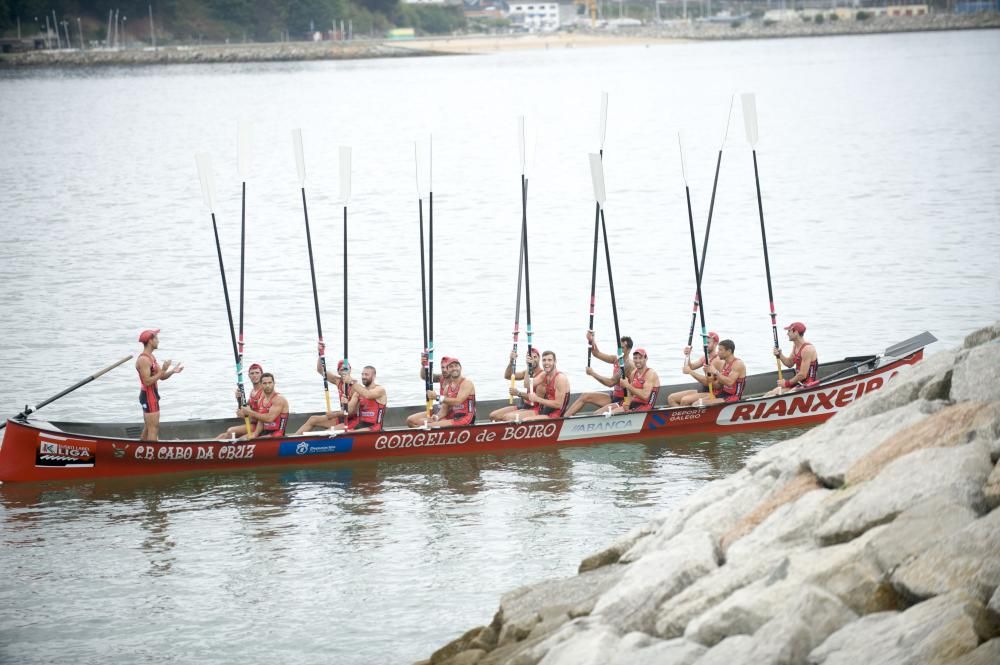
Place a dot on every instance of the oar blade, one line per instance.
(345, 173)
(416, 168)
(300, 160)
(207, 178)
(604, 117)
(520, 139)
(597, 176)
(750, 117)
(680, 147)
(243, 154)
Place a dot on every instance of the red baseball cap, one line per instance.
(340, 365)
(534, 352)
(445, 360)
(255, 366)
(453, 360)
(798, 327)
(714, 335)
(147, 335)
(640, 352)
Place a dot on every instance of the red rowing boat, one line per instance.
(38, 451)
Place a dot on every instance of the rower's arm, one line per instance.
(808, 356)
(785, 360)
(375, 393)
(279, 407)
(608, 381)
(463, 394)
(601, 355)
(652, 382)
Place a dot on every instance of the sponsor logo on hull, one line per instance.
(584, 428)
(792, 405)
(315, 447)
(64, 453)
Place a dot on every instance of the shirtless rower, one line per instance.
(803, 358)
(533, 362)
(459, 401)
(674, 399)
(728, 375)
(342, 381)
(253, 401)
(150, 374)
(420, 418)
(642, 384)
(273, 416)
(368, 402)
(549, 392)
(602, 399)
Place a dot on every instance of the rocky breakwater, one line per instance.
(874, 538)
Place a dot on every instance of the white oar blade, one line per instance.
(300, 160)
(430, 164)
(207, 178)
(604, 117)
(597, 176)
(680, 146)
(243, 156)
(520, 139)
(750, 117)
(345, 173)
(416, 168)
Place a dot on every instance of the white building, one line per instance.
(535, 16)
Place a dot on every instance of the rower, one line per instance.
(674, 399)
(253, 401)
(803, 358)
(549, 393)
(420, 418)
(339, 417)
(617, 395)
(727, 374)
(273, 416)
(458, 404)
(150, 374)
(642, 385)
(368, 402)
(533, 362)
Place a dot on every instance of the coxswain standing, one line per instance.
(728, 375)
(533, 362)
(549, 393)
(368, 402)
(458, 406)
(150, 374)
(674, 399)
(602, 399)
(803, 358)
(253, 401)
(273, 416)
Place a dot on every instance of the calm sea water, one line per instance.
(878, 158)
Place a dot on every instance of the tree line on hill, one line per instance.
(218, 20)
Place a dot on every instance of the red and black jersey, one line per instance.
(463, 413)
(370, 414)
(813, 370)
(276, 428)
(548, 391)
(734, 392)
(149, 396)
(639, 381)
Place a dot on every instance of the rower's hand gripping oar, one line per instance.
(697, 270)
(300, 166)
(207, 178)
(28, 410)
(597, 229)
(600, 195)
(428, 374)
(520, 271)
(345, 196)
(750, 123)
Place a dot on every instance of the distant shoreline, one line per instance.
(483, 44)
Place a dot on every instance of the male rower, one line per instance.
(617, 395)
(674, 399)
(420, 418)
(534, 366)
(727, 376)
(150, 374)
(642, 385)
(549, 393)
(342, 416)
(273, 415)
(803, 358)
(253, 401)
(458, 405)
(368, 402)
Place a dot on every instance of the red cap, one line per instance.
(445, 360)
(453, 360)
(340, 366)
(255, 366)
(147, 335)
(640, 352)
(798, 327)
(534, 351)
(714, 335)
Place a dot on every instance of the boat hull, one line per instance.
(32, 453)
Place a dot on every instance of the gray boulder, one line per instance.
(988, 653)
(791, 526)
(981, 336)
(930, 521)
(733, 650)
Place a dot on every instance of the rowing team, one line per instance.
(544, 394)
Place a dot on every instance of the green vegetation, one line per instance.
(863, 16)
(234, 20)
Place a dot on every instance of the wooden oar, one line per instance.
(207, 177)
(750, 123)
(243, 162)
(697, 270)
(597, 229)
(520, 266)
(345, 196)
(708, 227)
(28, 410)
(300, 166)
(428, 374)
(597, 175)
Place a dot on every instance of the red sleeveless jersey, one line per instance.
(370, 414)
(639, 381)
(548, 391)
(255, 400)
(734, 392)
(813, 370)
(276, 428)
(465, 412)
